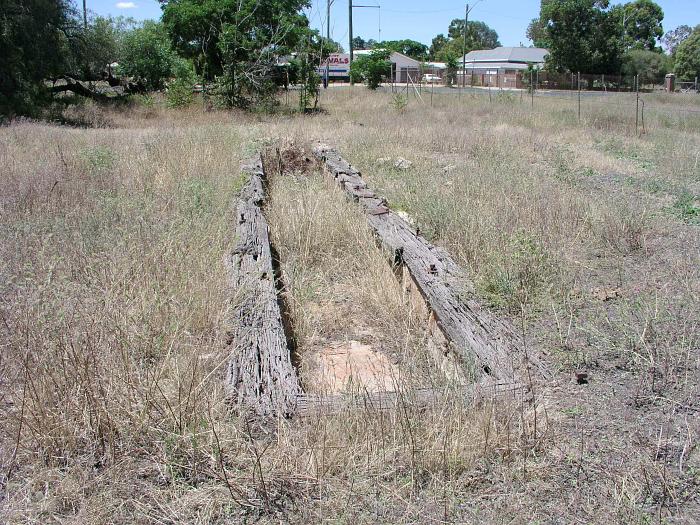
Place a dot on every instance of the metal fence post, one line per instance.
(636, 120)
(532, 91)
(579, 95)
(572, 85)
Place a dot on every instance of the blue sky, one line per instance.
(416, 19)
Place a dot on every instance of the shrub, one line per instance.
(371, 68)
(649, 65)
(399, 101)
(180, 90)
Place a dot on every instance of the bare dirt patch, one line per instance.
(351, 367)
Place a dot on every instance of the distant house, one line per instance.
(502, 66)
(403, 68)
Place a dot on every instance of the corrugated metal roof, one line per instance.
(508, 54)
(495, 65)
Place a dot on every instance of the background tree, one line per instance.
(687, 57)
(407, 47)
(148, 56)
(537, 33)
(237, 42)
(479, 35)
(651, 66)
(328, 45)
(34, 37)
(359, 43)
(436, 45)
(371, 68)
(672, 39)
(642, 24)
(582, 35)
(451, 64)
(96, 46)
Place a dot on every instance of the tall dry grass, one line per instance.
(114, 304)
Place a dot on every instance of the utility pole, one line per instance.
(350, 6)
(328, 19)
(350, 36)
(464, 44)
(84, 14)
(328, 37)
(464, 48)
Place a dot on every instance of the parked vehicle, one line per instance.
(431, 79)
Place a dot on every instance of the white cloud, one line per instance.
(126, 5)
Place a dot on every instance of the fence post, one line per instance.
(636, 120)
(571, 86)
(532, 90)
(579, 95)
(696, 84)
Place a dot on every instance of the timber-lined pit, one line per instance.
(339, 302)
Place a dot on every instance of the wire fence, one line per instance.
(627, 103)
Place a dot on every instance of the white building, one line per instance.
(502, 66)
(504, 59)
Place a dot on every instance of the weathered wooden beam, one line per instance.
(421, 398)
(474, 334)
(261, 376)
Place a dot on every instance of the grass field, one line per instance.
(114, 304)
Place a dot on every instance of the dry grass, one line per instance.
(114, 303)
(341, 287)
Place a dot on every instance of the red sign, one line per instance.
(337, 59)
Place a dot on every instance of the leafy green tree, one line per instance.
(451, 69)
(96, 46)
(371, 68)
(436, 46)
(328, 45)
(180, 90)
(454, 47)
(407, 47)
(649, 65)
(537, 33)
(479, 35)
(673, 39)
(642, 24)
(359, 43)
(238, 42)
(148, 56)
(582, 35)
(687, 56)
(34, 38)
